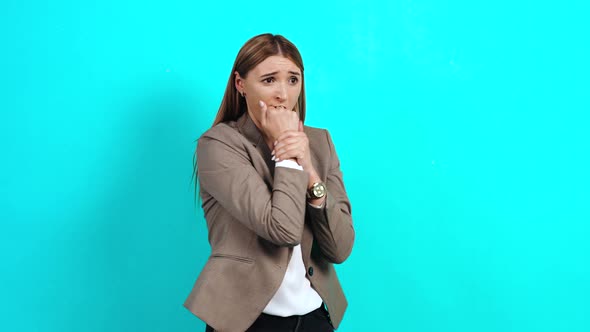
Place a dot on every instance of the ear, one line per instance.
(239, 81)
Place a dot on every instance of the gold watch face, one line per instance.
(319, 190)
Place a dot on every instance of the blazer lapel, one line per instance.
(248, 129)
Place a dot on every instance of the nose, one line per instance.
(281, 93)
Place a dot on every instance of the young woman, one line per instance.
(272, 192)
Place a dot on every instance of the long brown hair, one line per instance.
(252, 53)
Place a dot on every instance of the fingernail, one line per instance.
(272, 158)
(276, 142)
(260, 103)
(272, 152)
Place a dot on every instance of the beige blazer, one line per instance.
(255, 214)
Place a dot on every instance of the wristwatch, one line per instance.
(317, 190)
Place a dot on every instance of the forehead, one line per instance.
(275, 63)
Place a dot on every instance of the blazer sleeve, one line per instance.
(226, 172)
(332, 226)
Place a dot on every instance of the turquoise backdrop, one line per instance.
(462, 127)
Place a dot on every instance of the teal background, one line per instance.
(462, 127)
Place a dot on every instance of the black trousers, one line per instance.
(315, 321)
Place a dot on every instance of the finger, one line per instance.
(263, 112)
(293, 138)
(286, 137)
(286, 142)
(293, 151)
(289, 133)
(290, 143)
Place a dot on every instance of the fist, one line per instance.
(276, 120)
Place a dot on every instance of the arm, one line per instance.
(332, 225)
(227, 174)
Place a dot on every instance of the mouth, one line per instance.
(278, 106)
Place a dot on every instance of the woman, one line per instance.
(277, 212)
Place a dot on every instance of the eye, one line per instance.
(293, 80)
(268, 80)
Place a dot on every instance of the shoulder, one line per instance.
(220, 131)
(319, 137)
(224, 133)
(315, 134)
(222, 143)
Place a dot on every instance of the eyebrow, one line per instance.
(276, 72)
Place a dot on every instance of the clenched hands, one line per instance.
(284, 133)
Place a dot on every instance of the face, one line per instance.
(276, 81)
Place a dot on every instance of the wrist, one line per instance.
(313, 177)
(317, 203)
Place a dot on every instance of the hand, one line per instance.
(294, 144)
(276, 121)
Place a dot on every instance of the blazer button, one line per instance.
(310, 271)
